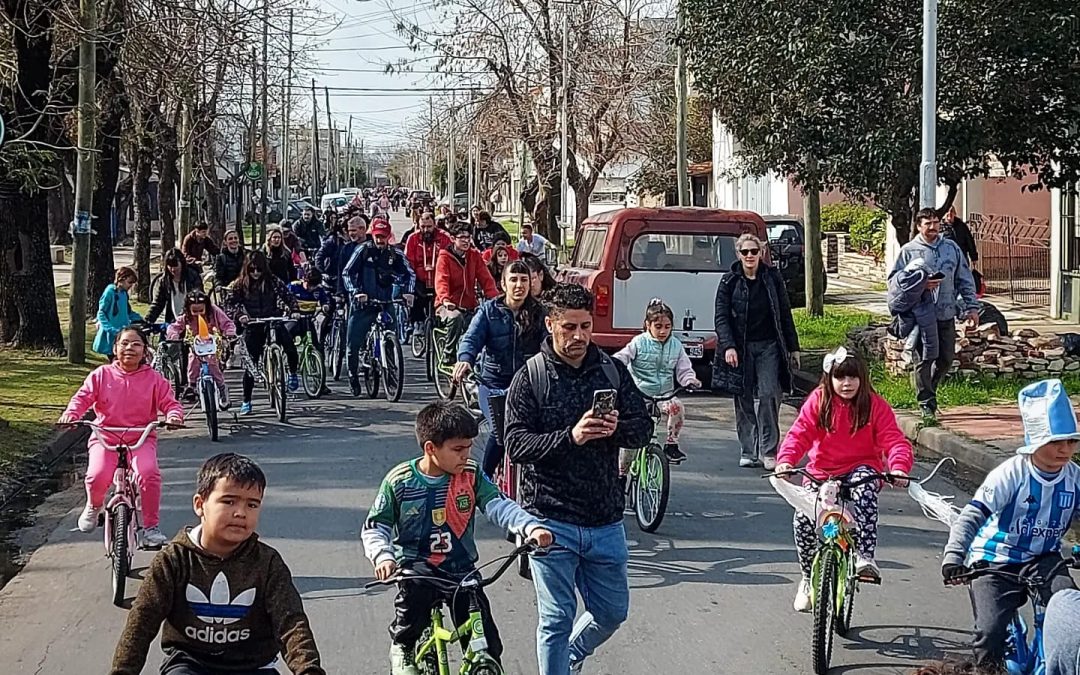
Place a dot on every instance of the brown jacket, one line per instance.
(235, 613)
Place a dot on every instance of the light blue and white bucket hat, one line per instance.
(1047, 414)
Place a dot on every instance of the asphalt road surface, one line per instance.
(711, 592)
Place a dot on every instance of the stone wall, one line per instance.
(845, 261)
(984, 352)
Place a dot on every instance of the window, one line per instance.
(608, 197)
(683, 252)
(784, 230)
(590, 249)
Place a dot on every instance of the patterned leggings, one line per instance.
(864, 506)
(676, 415)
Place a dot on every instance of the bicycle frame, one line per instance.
(836, 540)
(126, 489)
(472, 627)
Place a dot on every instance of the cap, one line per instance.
(381, 228)
(1047, 414)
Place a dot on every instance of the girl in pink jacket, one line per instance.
(125, 393)
(848, 429)
(197, 304)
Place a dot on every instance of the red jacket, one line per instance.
(512, 255)
(422, 255)
(456, 283)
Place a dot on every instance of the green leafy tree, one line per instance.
(829, 92)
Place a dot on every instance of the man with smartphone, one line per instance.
(567, 414)
(954, 297)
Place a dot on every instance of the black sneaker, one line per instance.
(674, 454)
(354, 385)
(188, 396)
(325, 391)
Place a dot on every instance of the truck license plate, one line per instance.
(695, 351)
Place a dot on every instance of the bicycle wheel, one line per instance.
(312, 371)
(824, 611)
(121, 553)
(370, 365)
(174, 377)
(485, 665)
(429, 664)
(337, 349)
(847, 606)
(419, 341)
(429, 352)
(651, 488)
(277, 381)
(394, 371)
(208, 399)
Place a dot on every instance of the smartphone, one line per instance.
(603, 402)
(936, 276)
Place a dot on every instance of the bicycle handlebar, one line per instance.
(817, 482)
(405, 574)
(1029, 580)
(673, 394)
(97, 430)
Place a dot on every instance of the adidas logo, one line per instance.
(220, 608)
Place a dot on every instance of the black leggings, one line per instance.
(255, 339)
(179, 663)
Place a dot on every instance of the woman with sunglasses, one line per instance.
(755, 338)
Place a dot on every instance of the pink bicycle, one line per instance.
(120, 519)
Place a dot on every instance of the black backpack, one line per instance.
(539, 380)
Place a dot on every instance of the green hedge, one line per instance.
(865, 224)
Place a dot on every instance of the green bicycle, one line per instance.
(312, 365)
(445, 384)
(432, 657)
(648, 470)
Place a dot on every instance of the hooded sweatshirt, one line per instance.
(123, 399)
(878, 445)
(229, 614)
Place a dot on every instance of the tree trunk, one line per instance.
(814, 269)
(61, 207)
(102, 270)
(27, 278)
(140, 196)
(582, 194)
(167, 180)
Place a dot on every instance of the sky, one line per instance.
(353, 56)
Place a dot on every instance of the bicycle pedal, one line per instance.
(864, 579)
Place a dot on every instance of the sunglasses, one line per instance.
(749, 251)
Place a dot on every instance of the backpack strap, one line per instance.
(538, 377)
(612, 373)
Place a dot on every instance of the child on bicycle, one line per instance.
(197, 305)
(1017, 517)
(126, 393)
(223, 600)
(657, 360)
(406, 528)
(847, 429)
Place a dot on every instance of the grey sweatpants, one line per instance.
(995, 600)
(1061, 633)
(759, 427)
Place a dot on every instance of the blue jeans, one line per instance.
(592, 561)
(1062, 633)
(493, 451)
(360, 321)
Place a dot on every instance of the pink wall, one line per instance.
(1005, 196)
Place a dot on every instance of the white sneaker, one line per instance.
(770, 463)
(223, 398)
(88, 519)
(402, 660)
(866, 567)
(575, 667)
(151, 537)
(746, 462)
(803, 602)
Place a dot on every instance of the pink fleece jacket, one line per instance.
(217, 319)
(880, 444)
(123, 399)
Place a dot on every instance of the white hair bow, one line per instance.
(834, 359)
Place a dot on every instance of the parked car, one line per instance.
(296, 208)
(629, 256)
(787, 244)
(334, 200)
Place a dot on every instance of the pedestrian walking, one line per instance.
(756, 349)
(953, 292)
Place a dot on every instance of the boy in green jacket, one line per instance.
(224, 601)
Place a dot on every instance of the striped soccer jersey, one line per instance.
(1026, 513)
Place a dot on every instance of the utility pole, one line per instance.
(430, 149)
(330, 182)
(286, 193)
(682, 168)
(316, 187)
(185, 169)
(564, 140)
(451, 163)
(253, 139)
(928, 167)
(521, 184)
(348, 155)
(266, 128)
(84, 182)
(471, 179)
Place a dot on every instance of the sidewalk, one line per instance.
(122, 255)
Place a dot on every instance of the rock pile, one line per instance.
(983, 352)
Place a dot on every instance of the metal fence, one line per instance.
(1014, 256)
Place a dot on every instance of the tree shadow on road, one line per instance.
(328, 588)
(917, 644)
(663, 564)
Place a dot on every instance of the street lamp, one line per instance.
(928, 167)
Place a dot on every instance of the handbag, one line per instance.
(727, 380)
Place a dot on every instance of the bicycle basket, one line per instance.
(802, 500)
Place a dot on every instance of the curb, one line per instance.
(974, 456)
(26, 472)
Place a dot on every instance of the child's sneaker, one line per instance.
(89, 519)
(152, 537)
(294, 382)
(802, 596)
(245, 408)
(402, 660)
(674, 454)
(866, 567)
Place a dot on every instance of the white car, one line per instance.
(334, 200)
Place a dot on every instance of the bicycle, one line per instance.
(270, 371)
(443, 373)
(211, 398)
(432, 657)
(381, 357)
(337, 343)
(648, 473)
(507, 476)
(1024, 649)
(120, 518)
(421, 335)
(165, 355)
(312, 366)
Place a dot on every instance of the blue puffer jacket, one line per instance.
(913, 307)
(494, 345)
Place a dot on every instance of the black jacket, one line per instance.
(958, 231)
(161, 288)
(731, 306)
(559, 480)
(281, 264)
(227, 266)
(265, 300)
(309, 232)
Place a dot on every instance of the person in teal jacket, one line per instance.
(114, 311)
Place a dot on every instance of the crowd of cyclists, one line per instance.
(488, 295)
